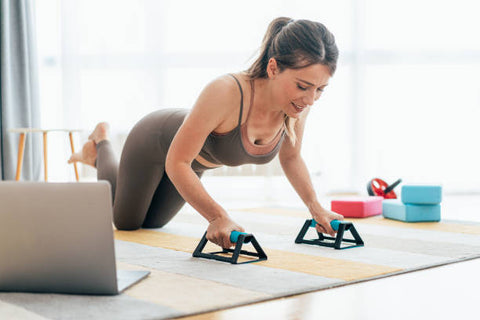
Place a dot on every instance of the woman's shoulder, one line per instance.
(223, 91)
(219, 102)
(226, 85)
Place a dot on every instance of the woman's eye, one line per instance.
(301, 88)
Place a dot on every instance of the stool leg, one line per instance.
(45, 162)
(21, 148)
(73, 151)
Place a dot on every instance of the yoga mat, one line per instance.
(180, 285)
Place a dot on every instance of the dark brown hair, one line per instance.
(295, 44)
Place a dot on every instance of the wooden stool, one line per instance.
(21, 147)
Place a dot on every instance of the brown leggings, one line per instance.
(143, 195)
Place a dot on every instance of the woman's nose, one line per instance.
(309, 98)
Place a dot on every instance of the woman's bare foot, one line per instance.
(100, 132)
(88, 155)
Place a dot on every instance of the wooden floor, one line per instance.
(446, 292)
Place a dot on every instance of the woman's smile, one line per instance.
(297, 108)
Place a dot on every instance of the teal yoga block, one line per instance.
(397, 210)
(418, 194)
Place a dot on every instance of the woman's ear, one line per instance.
(272, 68)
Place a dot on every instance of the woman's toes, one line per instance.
(88, 155)
(75, 157)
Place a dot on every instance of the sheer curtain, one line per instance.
(19, 88)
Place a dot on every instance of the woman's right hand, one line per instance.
(219, 231)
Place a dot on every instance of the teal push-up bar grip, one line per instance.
(239, 238)
(334, 242)
(334, 223)
(234, 236)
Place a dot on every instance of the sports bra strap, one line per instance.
(241, 98)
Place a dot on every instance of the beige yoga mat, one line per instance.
(181, 285)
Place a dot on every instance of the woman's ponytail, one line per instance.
(259, 68)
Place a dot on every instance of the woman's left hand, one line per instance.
(323, 217)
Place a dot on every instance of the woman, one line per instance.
(247, 117)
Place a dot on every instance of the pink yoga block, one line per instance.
(359, 207)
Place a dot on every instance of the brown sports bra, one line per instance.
(233, 148)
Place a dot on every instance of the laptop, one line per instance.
(58, 238)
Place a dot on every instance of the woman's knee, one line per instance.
(154, 224)
(159, 218)
(126, 225)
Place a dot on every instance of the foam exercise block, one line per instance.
(417, 194)
(359, 207)
(397, 210)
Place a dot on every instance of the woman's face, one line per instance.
(294, 90)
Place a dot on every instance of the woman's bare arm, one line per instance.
(215, 105)
(297, 173)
